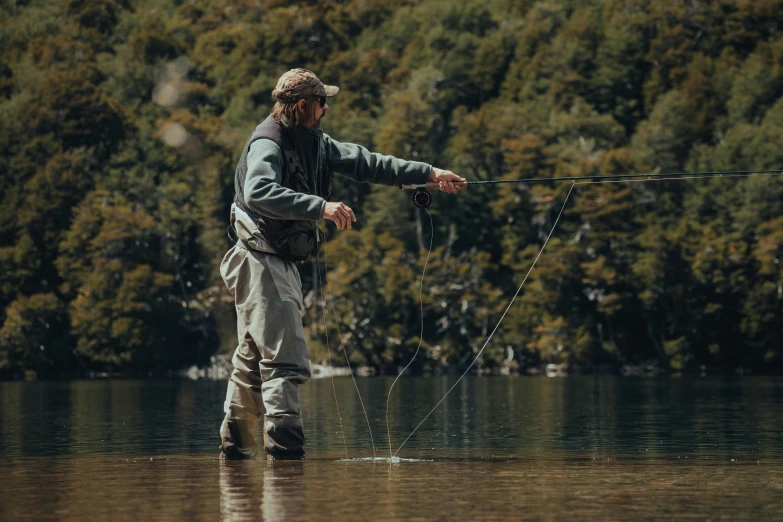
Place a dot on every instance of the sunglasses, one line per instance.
(322, 101)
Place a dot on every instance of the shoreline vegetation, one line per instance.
(219, 369)
(121, 124)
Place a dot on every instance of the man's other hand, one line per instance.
(447, 181)
(340, 213)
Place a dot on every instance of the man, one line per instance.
(282, 182)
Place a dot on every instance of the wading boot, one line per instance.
(285, 455)
(284, 437)
(237, 441)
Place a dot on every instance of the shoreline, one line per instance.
(220, 369)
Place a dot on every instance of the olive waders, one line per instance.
(271, 359)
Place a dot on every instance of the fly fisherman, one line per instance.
(282, 182)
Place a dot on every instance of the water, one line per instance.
(498, 448)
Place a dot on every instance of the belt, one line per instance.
(260, 246)
(266, 248)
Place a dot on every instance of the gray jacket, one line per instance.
(265, 194)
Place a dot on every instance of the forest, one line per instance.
(121, 124)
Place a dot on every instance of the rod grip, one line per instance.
(428, 185)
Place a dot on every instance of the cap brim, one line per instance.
(331, 90)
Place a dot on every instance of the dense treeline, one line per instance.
(121, 123)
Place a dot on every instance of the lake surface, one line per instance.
(586, 448)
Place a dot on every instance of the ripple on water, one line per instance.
(390, 460)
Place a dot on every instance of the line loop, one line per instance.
(421, 334)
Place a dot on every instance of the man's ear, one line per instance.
(301, 104)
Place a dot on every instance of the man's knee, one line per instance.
(243, 397)
(281, 396)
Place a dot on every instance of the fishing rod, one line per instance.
(422, 198)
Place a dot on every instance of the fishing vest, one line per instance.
(294, 240)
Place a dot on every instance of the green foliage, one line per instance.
(121, 123)
(34, 337)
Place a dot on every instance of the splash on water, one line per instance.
(390, 460)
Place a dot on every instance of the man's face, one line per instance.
(313, 111)
(320, 110)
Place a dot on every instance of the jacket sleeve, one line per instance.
(359, 164)
(264, 192)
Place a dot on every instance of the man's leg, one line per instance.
(243, 404)
(269, 304)
(285, 360)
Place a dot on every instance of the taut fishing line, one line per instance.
(347, 361)
(418, 201)
(422, 198)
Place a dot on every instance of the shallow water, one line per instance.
(498, 448)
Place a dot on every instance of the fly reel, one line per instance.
(422, 198)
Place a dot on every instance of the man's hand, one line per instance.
(447, 181)
(340, 213)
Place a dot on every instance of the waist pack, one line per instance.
(299, 242)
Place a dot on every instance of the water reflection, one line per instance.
(241, 484)
(111, 488)
(504, 417)
(506, 447)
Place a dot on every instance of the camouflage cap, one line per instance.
(297, 84)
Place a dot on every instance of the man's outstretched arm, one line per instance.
(359, 164)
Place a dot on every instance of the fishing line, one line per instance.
(329, 354)
(496, 326)
(693, 176)
(629, 179)
(348, 362)
(578, 179)
(421, 334)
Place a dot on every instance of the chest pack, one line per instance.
(294, 240)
